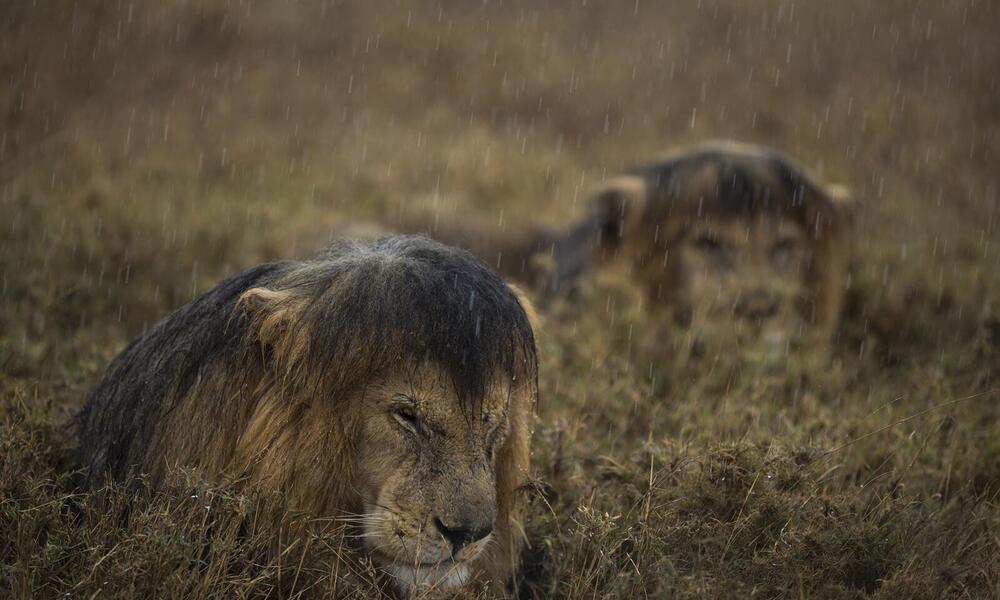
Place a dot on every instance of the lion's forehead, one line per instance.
(452, 415)
(760, 229)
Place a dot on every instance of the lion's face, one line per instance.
(746, 250)
(429, 477)
(741, 280)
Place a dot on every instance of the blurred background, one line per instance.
(221, 133)
(147, 149)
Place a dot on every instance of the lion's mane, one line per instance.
(249, 380)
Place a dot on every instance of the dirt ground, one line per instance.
(147, 149)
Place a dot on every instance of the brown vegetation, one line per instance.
(149, 149)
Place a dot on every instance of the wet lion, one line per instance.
(733, 243)
(393, 379)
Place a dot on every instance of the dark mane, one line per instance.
(122, 412)
(409, 299)
(369, 306)
(739, 181)
(720, 179)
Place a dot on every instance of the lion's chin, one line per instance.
(441, 576)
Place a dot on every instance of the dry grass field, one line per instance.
(149, 148)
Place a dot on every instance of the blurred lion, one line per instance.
(734, 242)
(737, 242)
(393, 379)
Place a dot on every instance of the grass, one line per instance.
(149, 149)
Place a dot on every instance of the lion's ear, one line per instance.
(832, 209)
(839, 194)
(846, 207)
(617, 207)
(529, 308)
(271, 314)
(844, 203)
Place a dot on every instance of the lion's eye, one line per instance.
(785, 244)
(709, 244)
(782, 250)
(407, 418)
(719, 254)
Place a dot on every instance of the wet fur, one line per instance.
(638, 216)
(643, 213)
(258, 378)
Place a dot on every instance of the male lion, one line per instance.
(394, 379)
(735, 241)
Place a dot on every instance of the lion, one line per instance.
(394, 379)
(732, 242)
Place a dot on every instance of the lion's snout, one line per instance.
(462, 533)
(757, 306)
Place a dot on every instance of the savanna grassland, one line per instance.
(147, 149)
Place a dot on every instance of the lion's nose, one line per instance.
(757, 305)
(462, 534)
